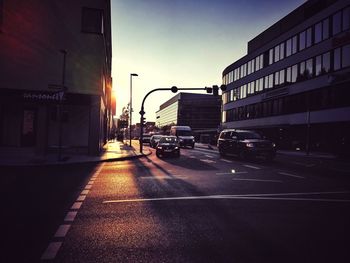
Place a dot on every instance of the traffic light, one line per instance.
(215, 90)
(143, 120)
(223, 87)
(209, 89)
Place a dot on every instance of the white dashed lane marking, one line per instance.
(70, 216)
(62, 231)
(51, 251)
(291, 175)
(76, 205)
(251, 166)
(81, 198)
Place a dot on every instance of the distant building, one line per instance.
(293, 85)
(35, 37)
(199, 111)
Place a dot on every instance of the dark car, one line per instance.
(168, 145)
(154, 140)
(146, 138)
(245, 144)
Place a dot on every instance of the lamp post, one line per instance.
(130, 105)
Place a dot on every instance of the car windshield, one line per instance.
(168, 140)
(183, 133)
(248, 135)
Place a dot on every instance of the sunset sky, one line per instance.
(186, 43)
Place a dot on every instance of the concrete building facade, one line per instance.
(55, 60)
(294, 83)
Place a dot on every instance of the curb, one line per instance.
(124, 158)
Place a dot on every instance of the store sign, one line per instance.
(59, 96)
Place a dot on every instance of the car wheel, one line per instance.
(192, 146)
(158, 155)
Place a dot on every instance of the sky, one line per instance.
(183, 43)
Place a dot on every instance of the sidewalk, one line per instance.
(112, 151)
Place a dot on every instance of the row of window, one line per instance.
(318, 32)
(324, 98)
(313, 67)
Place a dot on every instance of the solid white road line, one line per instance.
(62, 231)
(175, 177)
(257, 180)
(226, 161)
(70, 216)
(76, 205)
(207, 161)
(81, 198)
(243, 196)
(84, 192)
(51, 251)
(210, 156)
(291, 175)
(251, 166)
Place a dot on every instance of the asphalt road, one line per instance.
(196, 208)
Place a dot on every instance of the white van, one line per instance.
(184, 134)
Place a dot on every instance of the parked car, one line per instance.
(245, 144)
(168, 145)
(154, 140)
(146, 138)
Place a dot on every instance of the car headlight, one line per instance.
(181, 140)
(159, 147)
(273, 145)
(249, 145)
(176, 147)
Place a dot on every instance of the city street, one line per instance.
(196, 208)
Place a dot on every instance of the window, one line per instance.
(92, 20)
(277, 78)
(257, 63)
(346, 56)
(309, 71)
(294, 44)
(336, 23)
(282, 48)
(266, 82)
(253, 65)
(271, 56)
(302, 68)
(325, 31)
(302, 40)
(318, 65)
(281, 80)
(294, 73)
(270, 81)
(261, 61)
(249, 67)
(289, 48)
(318, 32)
(289, 75)
(309, 37)
(346, 19)
(277, 53)
(261, 84)
(326, 62)
(336, 59)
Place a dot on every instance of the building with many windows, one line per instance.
(199, 111)
(55, 75)
(294, 83)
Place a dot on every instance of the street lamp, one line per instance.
(130, 105)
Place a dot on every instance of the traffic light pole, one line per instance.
(174, 89)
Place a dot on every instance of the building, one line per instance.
(199, 111)
(294, 83)
(55, 60)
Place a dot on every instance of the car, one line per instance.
(168, 145)
(246, 144)
(154, 140)
(184, 134)
(146, 138)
